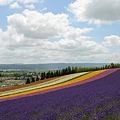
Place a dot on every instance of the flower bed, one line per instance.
(68, 78)
(26, 85)
(42, 85)
(97, 100)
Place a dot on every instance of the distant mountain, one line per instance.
(49, 66)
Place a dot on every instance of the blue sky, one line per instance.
(55, 31)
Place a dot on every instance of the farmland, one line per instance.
(87, 96)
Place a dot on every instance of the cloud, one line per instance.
(81, 45)
(15, 5)
(43, 9)
(33, 24)
(29, 38)
(97, 12)
(31, 6)
(71, 32)
(5, 2)
(112, 40)
(101, 58)
(27, 1)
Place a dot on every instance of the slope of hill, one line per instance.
(98, 98)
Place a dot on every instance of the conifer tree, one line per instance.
(33, 79)
(28, 80)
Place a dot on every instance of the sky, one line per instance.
(59, 31)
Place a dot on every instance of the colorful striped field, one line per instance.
(84, 96)
(56, 84)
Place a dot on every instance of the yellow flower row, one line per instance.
(39, 84)
(45, 84)
(81, 78)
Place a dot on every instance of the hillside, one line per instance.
(87, 96)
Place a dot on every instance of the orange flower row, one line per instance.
(79, 79)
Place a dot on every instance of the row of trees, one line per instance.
(70, 70)
(32, 79)
(56, 73)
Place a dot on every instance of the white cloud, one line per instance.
(28, 39)
(97, 12)
(71, 32)
(36, 25)
(29, 36)
(82, 45)
(5, 2)
(43, 9)
(101, 58)
(112, 40)
(31, 6)
(27, 1)
(15, 5)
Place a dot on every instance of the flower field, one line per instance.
(52, 85)
(91, 96)
(41, 85)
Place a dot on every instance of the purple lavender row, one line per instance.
(97, 100)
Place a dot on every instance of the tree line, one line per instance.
(69, 70)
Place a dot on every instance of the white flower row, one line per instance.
(46, 84)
